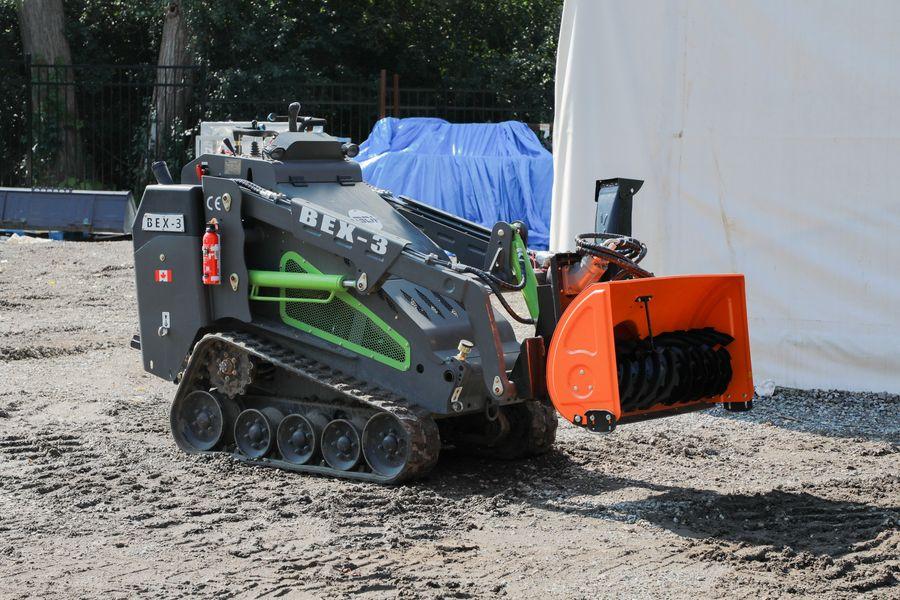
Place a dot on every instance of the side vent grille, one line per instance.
(344, 321)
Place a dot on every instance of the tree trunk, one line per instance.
(173, 80)
(54, 112)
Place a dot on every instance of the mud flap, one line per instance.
(643, 348)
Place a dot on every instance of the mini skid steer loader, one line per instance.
(319, 325)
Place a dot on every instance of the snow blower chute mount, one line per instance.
(319, 325)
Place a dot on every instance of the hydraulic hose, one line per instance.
(515, 287)
(259, 190)
(628, 253)
(491, 280)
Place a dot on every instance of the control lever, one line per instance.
(293, 112)
(161, 172)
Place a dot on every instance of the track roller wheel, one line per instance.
(340, 445)
(386, 445)
(254, 431)
(197, 421)
(298, 439)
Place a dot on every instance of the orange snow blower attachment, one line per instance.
(635, 349)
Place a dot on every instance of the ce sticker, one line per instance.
(214, 203)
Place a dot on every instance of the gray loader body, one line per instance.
(320, 209)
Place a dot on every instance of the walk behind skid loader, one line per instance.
(319, 325)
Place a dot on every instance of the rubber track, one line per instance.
(423, 431)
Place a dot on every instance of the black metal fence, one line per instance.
(100, 126)
(15, 115)
(94, 126)
(465, 106)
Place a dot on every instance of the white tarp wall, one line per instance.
(768, 133)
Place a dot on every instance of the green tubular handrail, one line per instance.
(310, 282)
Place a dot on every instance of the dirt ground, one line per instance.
(800, 497)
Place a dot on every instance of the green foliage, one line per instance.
(10, 42)
(12, 108)
(255, 55)
(48, 111)
(114, 31)
(501, 45)
(504, 45)
(75, 183)
(147, 145)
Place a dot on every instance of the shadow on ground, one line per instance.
(801, 521)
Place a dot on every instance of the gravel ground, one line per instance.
(799, 497)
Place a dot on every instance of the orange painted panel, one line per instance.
(581, 362)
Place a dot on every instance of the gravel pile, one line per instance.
(865, 415)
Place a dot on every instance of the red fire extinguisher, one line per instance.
(212, 257)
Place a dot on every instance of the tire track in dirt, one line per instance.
(11, 353)
(96, 501)
(818, 545)
(373, 524)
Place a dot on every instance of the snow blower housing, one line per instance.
(320, 325)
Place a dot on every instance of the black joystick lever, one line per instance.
(293, 112)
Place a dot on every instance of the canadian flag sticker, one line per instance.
(164, 275)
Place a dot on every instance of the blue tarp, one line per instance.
(483, 172)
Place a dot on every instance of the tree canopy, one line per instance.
(252, 56)
(499, 44)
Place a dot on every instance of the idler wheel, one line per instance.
(197, 421)
(340, 445)
(386, 445)
(254, 431)
(297, 439)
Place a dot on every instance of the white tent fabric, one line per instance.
(768, 133)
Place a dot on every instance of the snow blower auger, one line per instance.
(316, 324)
